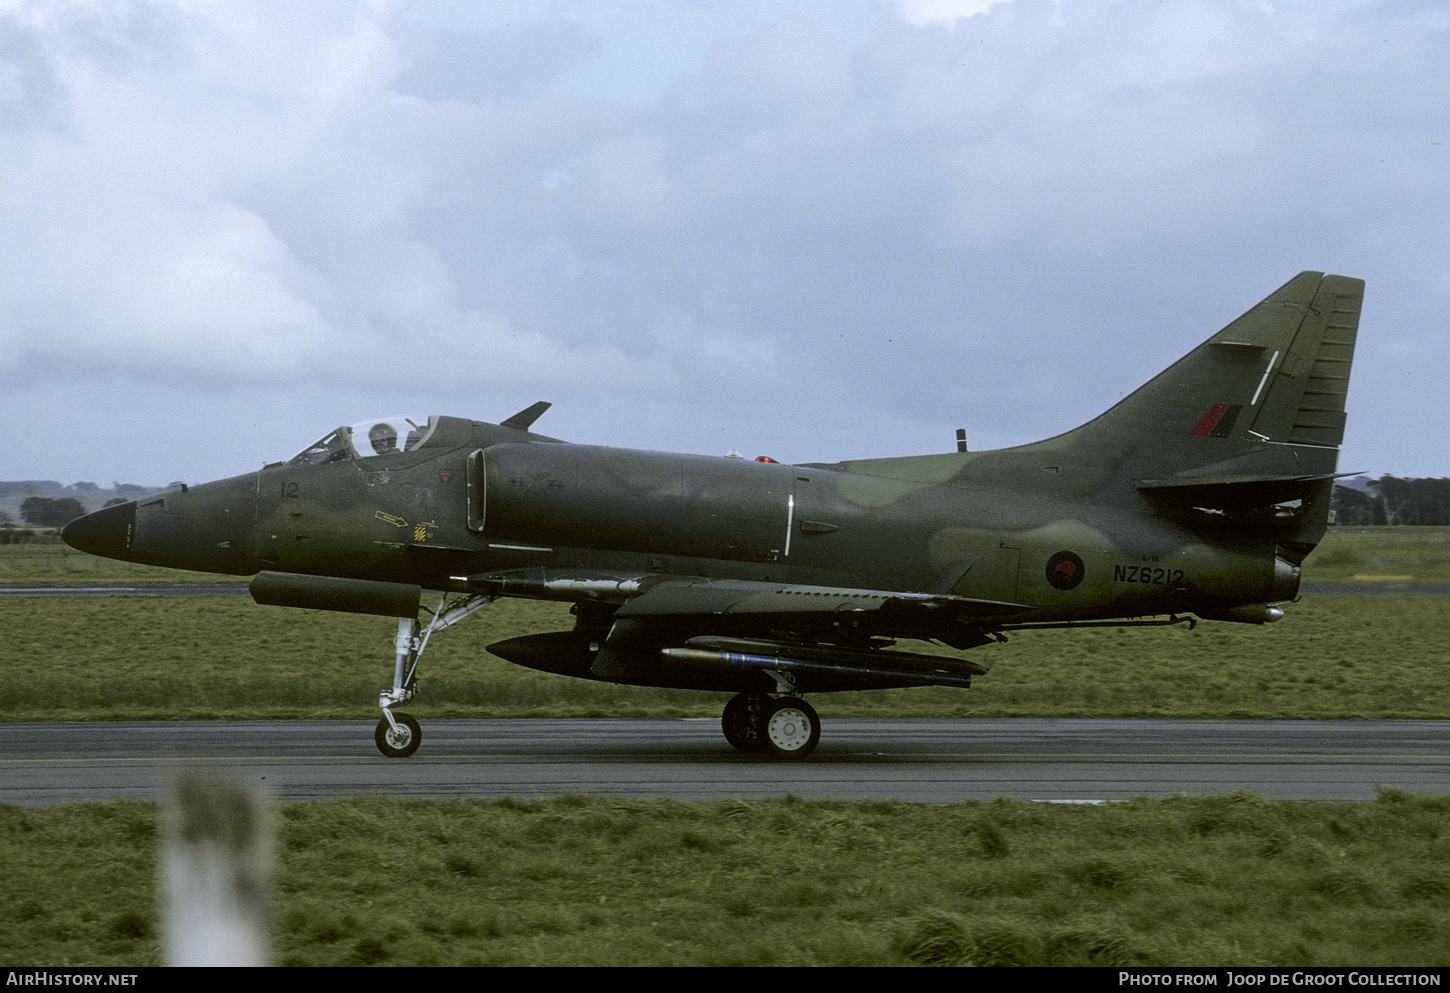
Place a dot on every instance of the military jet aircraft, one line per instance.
(1198, 495)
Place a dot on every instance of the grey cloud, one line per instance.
(839, 232)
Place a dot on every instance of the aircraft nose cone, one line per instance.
(106, 532)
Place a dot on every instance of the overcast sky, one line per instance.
(814, 229)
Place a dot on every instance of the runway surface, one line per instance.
(915, 760)
(123, 589)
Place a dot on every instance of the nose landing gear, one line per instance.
(398, 734)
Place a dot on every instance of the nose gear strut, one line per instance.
(398, 734)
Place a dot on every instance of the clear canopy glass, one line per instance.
(365, 439)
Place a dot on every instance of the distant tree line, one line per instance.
(21, 487)
(1392, 501)
(40, 487)
(46, 506)
(50, 512)
(45, 515)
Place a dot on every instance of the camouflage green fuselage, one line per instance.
(515, 506)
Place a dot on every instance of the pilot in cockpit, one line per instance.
(384, 438)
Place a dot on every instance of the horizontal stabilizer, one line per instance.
(1234, 493)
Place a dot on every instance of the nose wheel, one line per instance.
(398, 735)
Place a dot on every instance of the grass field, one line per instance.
(137, 658)
(1379, 554)
(1219, 880)
(1209, 881)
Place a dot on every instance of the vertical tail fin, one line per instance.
(1252, 419)
(1243, 431)
(1266, 395)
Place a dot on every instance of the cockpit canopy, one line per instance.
(379, 436)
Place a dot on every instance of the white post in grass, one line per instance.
(216, 872)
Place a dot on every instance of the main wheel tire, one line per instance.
(790, 728)
(741, 721)
(399, 742)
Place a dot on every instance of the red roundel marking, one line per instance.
(1065, 570)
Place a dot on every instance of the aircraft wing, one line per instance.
(650, 596)
(702, 629)
(685, 596)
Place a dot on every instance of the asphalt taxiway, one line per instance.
(913, 760)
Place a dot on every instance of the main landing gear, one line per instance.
(784, 727)
(398, 734)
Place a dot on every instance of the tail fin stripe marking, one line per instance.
(1209, 421)
(1218, 422)
(1226, 423)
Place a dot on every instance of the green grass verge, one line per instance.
(1372, 555)
(50, 561)
(574, 880)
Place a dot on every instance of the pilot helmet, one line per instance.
(384, 438)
